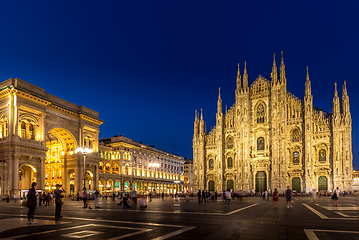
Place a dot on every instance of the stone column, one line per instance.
(15, 176)
(65, 173)
(10, 173)
(42, 174)
(96, 178)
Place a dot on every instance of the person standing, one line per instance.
(288, 195)
(58, 200)
(134, 197)
(96, 196)
(335, 197)
(163, 196)
(84, 198)
(199, 196)
(31, 203)
(203, 196)
(275, 198)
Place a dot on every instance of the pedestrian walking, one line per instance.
(275, 198)
(288, 195)
(58, 200)
(119, 199)
(96, 196)
(314, 195)
(163, 196)
(203, 196)
(199, 196)
(266, 195)
(31, 203)
(335, 197)
(228, 198)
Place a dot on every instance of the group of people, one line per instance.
(32, 201)
(47, 199)
(124, 198)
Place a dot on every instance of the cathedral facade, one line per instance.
(270, 139)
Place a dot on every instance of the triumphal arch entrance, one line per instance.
(39, 134)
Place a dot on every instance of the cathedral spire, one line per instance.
(274, 74)
(201, 124)
(239, 81)
(308, 89)
(245, 77)
(336, 107)
(196, 123)
(282, 70)
(345, 99)
(219, 103)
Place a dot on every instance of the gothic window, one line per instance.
(295, 135)
(295, 158)
(260, 113)
(230, 162)
(229, 142)
(211, 164)
(260, 143)
(23, 129)
(322, 155)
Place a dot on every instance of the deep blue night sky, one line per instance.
(147, 65)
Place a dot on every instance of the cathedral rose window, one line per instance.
(322, 155)
(260, 143)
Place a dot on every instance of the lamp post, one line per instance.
(154, 166)
(84, 152)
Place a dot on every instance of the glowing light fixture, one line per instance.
(84, 152)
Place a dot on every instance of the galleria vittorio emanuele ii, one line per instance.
(40, 138)
(271, 139)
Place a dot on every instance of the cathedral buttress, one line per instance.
(336, 121)
(309, 160)
(347, 158)
(220, 143)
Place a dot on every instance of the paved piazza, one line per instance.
(170, 219)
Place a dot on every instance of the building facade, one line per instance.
(39, 134)
(271, 139)
(38, 137)
(188, 176)
(126, 164)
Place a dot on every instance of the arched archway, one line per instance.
(27, 175)
(89, 181)
(61, 144)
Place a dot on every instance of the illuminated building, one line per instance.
(38, 135)
(356, 180)
(188, 175)
(271, 139)
(127, 164)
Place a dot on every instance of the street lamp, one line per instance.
(84, 152)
